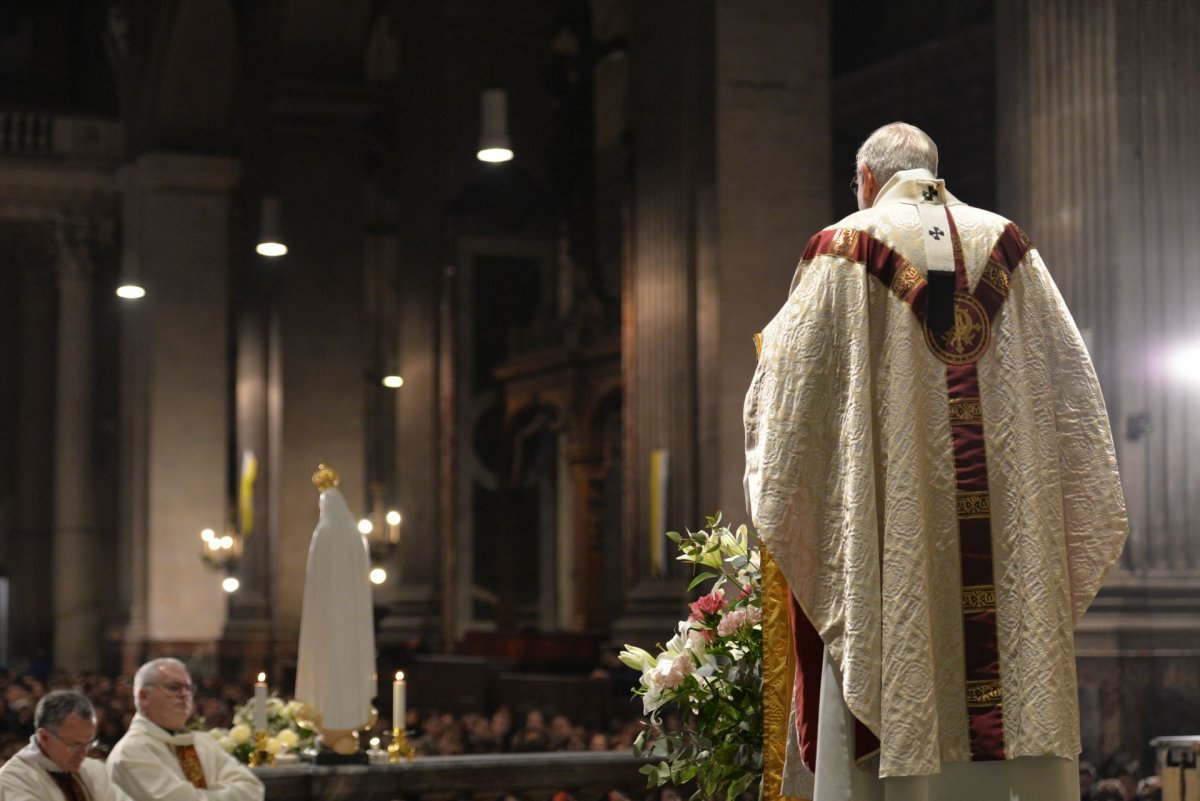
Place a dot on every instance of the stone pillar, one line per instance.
(76, 607)
(671, 64)
(422, 565)
(1096, 161)
(317, 337)
(32, 616)
(730, 122)
(175, 400)
(249, 630)
(772, 192)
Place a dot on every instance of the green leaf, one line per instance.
(700, 579)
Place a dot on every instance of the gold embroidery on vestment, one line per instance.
(973, 505)
(905, 280)
(995, 275)
(966, 411)
(978, 598)
(845, 242)
(189, 762)
(984, 693)
(968, 338)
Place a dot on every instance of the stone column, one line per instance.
(175, 402)
(772, 192)
(76, 608)
(422, 565)
(1096, 161)
(30, 549)
(316, 367)
(730, 127)
(671, 63)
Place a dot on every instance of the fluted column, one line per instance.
(1096, 163)
(1096, 160)
(672, 157)
(76, 608)
(730, 123)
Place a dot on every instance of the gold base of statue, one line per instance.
(260, 755)
(339, 747)
(399, 747)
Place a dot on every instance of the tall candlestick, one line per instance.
(399, 713)
(260, 703)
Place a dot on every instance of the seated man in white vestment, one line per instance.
(55, 765)
(159, 760)
(929, 461)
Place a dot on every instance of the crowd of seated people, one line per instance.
(1119, 778)
(445, 734)
(433, 732)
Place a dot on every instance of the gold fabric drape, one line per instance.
(779, 670)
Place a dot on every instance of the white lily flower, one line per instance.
(636, 658)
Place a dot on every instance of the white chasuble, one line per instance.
(944, 504)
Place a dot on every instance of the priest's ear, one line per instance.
(867, 187)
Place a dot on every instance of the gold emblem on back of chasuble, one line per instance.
(967, 339)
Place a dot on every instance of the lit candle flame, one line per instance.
(262, 676)
(399, 675)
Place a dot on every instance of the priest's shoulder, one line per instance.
(864, 222)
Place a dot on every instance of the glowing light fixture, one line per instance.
(494, 144)
(130, 288)
(393, 381)
(377, 575)
(1182, 363)
(270, 230)
(230, 584)
(365, 526)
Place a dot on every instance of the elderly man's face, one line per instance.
(167, 700)
(67, 744)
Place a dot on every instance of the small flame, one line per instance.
(262, 676)
(399, 675)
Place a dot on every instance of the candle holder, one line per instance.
(260, 755)
(399, 747)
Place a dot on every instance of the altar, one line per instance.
(584, 775)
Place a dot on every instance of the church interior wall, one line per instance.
(675, 155)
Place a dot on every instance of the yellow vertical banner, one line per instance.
(660, 470)
(246, 493)
(779, 674)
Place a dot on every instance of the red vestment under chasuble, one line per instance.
(943, 505)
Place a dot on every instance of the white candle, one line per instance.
(260, 703)
(399, 713)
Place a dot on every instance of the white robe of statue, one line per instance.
(335, 673)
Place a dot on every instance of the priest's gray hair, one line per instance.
(55, 707)
(894, 147)
(148, 673)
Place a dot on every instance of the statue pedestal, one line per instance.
(328, 757)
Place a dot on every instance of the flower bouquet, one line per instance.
(710, 672)
(289, 728)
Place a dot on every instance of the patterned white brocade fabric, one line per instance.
(851, 485)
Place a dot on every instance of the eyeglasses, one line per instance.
(175, 688)
(70, 746)
(854, 184)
